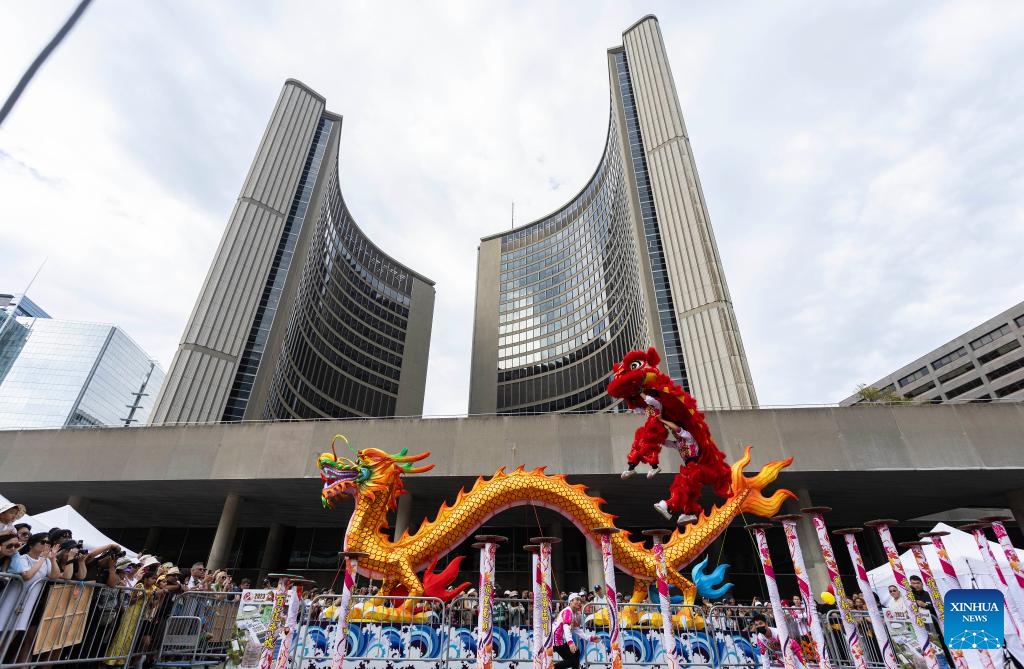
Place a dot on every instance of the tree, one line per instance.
(871, 395)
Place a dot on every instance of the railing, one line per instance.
(64, 623)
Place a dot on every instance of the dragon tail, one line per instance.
(754, 502)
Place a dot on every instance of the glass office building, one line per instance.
(301, 315)
(630, 262)
(569, 299)
(56, 373)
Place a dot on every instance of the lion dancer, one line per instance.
(671, 412)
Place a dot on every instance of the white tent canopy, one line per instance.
(66, 517)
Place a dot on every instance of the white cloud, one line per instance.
(862, 163)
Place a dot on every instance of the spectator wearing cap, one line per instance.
(9, 512)
(565, 632)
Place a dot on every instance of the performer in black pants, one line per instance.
(565, 627)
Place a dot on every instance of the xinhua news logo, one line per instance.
(974, 619)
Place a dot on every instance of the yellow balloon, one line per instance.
(828, 597)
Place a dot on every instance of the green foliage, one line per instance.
(871, 395)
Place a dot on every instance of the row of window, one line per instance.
(990, 337)
(675, 364)
(252, 355)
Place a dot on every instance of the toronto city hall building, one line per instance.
(301, 315)
(629, 262)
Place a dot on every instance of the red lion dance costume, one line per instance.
(671, 411)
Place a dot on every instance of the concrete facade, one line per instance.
(985, 363)
(629, 262)
(259, 344)
(866, 462)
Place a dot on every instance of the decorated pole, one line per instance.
(338, 648)
(996, 523)
(953, 581)
(916, 619)
(978, 530)
(661, 571)
(917, 548)
(877, 620)
(537, 645)
(281, 591)
(488, 545)
(817, 516)
(773, 592)
(545, 598)
(611, 595)
(810, 610)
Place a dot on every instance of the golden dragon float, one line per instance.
(374, 481)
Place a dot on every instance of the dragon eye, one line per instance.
(636, 364)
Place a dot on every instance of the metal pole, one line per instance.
(877, 620)
(793, 541)
(488, 545)
(773, 593)
(816, 514)
(661, 571)
(916, 620)
(611, 595)
(338, 648)
(545, 598)
(536, 580)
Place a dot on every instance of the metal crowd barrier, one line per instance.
(372, 634)
(55, 623)
(69, 622)
(641, 635)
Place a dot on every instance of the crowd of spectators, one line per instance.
(130, 609)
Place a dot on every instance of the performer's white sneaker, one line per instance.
(629, 472)
(654, 472)
(685, 519)
(662, 508)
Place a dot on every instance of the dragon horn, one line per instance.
(402, 456)
(336, 438)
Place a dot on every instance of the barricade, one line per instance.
(512, 624)
(216, 612)
(730, 628)
(835, 638)
(641, 635)
(70, 622)
(371, 633)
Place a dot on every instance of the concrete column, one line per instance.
(402, 515)
(1015, 502)
(557, 560)
(79, 503)
(225, 535)
(152, 541)
(817, 572)
(271, 552)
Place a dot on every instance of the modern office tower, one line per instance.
(985, 363)
(629, 262)
(19, 304)
(56, 373)
(301, 315)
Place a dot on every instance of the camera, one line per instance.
(112, 553)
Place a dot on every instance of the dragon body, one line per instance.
(374, 480)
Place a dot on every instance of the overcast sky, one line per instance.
(863, 162)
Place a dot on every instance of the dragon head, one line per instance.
(634, 373)
(373, 472)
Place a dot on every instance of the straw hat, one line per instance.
(7, 505)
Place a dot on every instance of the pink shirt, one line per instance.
(563, 627)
